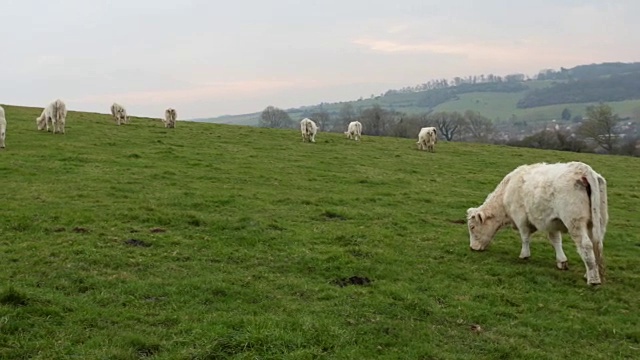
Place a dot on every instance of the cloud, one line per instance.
(511, 52)
(221, 89)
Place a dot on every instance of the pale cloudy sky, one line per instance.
(209, 58)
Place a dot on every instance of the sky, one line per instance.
(211, 58)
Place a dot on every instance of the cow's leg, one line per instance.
(555, 237)
(580, 236)
(525, 236)
(313, 138)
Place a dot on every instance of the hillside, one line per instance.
(542, 98)
(194, 243)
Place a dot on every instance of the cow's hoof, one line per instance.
(594, 282)
(564, 265)
(524, 257)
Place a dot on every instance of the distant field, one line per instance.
(502, 106)
(139, 242)
(494, 105)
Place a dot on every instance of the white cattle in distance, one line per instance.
(119, 114)
(427, 138)
(308, 128)
(170, 117)
(554, 198)
(354, 130)
(3, 128)
(53, 115)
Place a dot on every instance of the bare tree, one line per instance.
(347, 114)
(600, 126)
(479, 127)
(274, 117)
(409, 125)
(322, 119)
(377, 121)
(448, 124)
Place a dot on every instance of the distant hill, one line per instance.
(542, 97)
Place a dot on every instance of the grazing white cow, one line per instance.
(119, 114)
(427, 138)
(54, 114)
(170, 117)
(3, 128)
(555, 198)
(308, 128)
(354, 130)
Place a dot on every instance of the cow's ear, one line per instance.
(481, 217)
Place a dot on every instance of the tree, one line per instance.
(377, 121)
(479, 127)
(322, 119)
(566, 114)
(600, 126)
(448, 124)
(409, 125)
(347, 114)
(274, 117)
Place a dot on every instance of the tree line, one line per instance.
(600, 129)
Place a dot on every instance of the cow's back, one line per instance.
(544, 192)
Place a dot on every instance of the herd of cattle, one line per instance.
(53, 118)
(554, 198)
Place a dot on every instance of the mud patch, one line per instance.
(332, 215)
(59, 229)
(476, 328)
(80, 230)
(138, 243)
(354, 280)
(157, 230)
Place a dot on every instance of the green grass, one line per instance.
(213, 241)
(503, 105)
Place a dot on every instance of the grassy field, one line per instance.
(213, 241)
(503, 105)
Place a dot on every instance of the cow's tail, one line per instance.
(599, 217)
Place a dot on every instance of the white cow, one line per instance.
(555, 198)
(427, 138)
(354, 130)
(308, 128)
(170, 117)
(3, 128)
(119, 114)
(54, 114)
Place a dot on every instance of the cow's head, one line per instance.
(41, 122)
(482, 228)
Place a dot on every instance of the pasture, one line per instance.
(213, 241)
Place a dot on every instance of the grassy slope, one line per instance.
(258, 225)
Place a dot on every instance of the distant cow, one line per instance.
(354, 130)
(170, 117)
(54, 114)
(3, 128)
(308, 128)
(119, 114)
(427, 138)
(555, 198)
